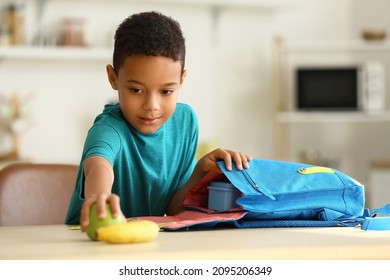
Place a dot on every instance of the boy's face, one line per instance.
(148, 88)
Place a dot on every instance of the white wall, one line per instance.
(229, 81)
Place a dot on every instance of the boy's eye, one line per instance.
(135, 90)
(166, 91)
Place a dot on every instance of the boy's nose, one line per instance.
(151, 102)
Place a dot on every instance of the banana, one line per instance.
(131, 232)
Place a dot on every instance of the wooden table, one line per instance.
(59, 242)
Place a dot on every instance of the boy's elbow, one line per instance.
(174, 209)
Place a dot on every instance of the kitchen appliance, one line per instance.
(340, 88)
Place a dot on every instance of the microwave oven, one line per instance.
(340, 88)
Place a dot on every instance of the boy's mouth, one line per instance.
(149, 120)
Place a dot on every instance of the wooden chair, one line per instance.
(35, 194)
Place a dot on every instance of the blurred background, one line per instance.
(242, 58)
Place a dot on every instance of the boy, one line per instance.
(139, 155)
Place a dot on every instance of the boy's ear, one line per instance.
(183, 76)
(111, 76)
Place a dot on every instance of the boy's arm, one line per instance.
(178, 197)
(99, 177)
(203, 166)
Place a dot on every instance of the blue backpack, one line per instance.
(277, 194)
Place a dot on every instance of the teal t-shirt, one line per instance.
(148, 168)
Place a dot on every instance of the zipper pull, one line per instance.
(262, 190)
(315, 169)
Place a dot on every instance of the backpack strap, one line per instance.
(378, 223)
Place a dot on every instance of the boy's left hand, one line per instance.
(209, 161)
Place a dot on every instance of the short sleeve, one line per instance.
(102, 140)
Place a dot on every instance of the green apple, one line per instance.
(95, 222)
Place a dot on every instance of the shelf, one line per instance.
(332, 117)
(341, 46)
(56, 53)
(101, 54)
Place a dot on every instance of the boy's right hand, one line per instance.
(101, 200)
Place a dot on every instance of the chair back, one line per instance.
(35, 193)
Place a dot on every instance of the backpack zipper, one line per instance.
(315, 169)
(263, 190)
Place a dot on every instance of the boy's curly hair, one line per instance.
(149, 33)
